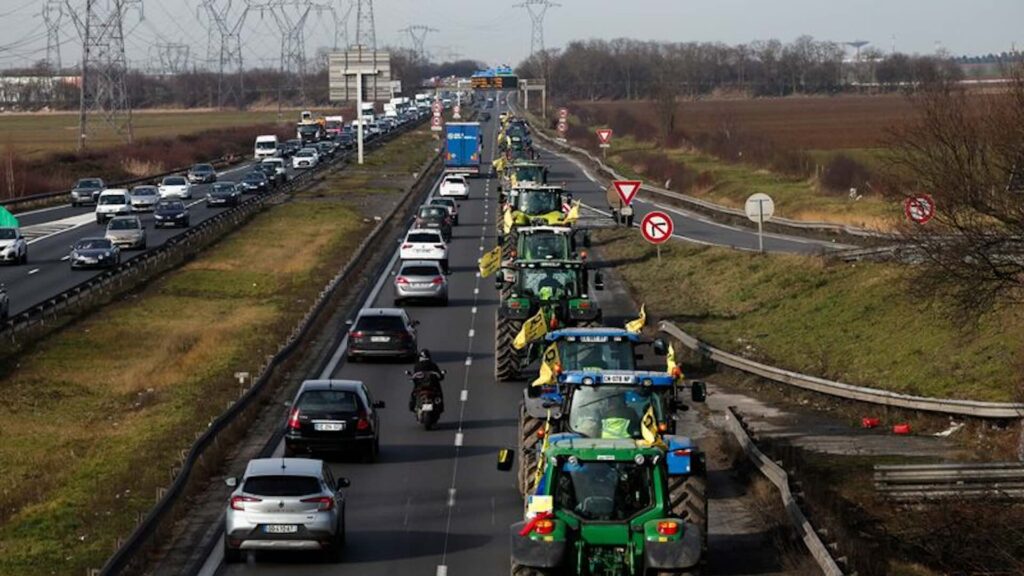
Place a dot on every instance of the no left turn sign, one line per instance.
(656, 227)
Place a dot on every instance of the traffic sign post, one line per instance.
(656, 228)
(457, 112)
(759, 208)
(563, 113)
(604, 140)
(436, 107)
(627, 189)
(435, 123)
(563, 127)
(919, 209)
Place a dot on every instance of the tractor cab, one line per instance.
(536, 205)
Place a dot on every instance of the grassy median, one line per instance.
(94, 417)
(861, 323)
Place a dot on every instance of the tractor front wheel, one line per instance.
(529, 448)
(506, 357)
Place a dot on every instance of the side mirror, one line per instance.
(231, 481)
(349, 322)
(444, 372)
(415, 322)
(660, 347)
(698, 391)
(342, 483)
(598, 281)
(505, 459)
(499, 281)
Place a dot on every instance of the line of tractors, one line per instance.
(608, 486)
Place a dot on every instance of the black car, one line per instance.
(284, 151)
(223, 194)
(347, 140)
(333, 416)
(86, 190)
(94, 253)
(293, 146)
(273, 178)
(382, 332)
(202, 174)
(326, 149)
(172, 213)
(255, 181)
(435, 217)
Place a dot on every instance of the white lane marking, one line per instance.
(481, 248)
(33, 271)
(451, 497)
(474, 310)
(476, 291)
(464, 396)
(472, 332)
(442, 570)
(469, 360)
(459, 439)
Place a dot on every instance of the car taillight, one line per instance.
(363, 423)
(406, 246)
(682, 452)
(543, 527)
(238, 502)
(668, 528)
(514, 305)
(437, 281)
(293, 420)
(356, 334)
(514, 253)
(401, 280)
(584, 305)
(323, 503)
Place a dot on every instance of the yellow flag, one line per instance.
(635, 326)
(548, 363)
(649, 428)
(533, 329)
(574, 213)
(509, 222)
(490, 262)
(671, 366)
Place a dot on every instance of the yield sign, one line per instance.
(656, 227)
(604, 135)
(627, 189)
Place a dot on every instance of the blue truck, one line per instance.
(463, 148)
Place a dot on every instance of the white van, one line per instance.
(113, 202)
(266, 147)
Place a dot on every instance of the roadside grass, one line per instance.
(94, 417)
(860, 323)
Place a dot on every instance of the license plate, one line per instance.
(421, 284)
(280, 528)
(328, 426)
(427, 407)
(379, 339)
(617, 379)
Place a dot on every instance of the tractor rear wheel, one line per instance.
(529, 447)
(688, 500)
(506, 358)
(520, 570)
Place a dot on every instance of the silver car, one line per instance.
(421, 280)
(126, 232)
(285, 504)
(144, 198)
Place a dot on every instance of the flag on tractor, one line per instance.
(533, 329)
(649, 429)
(635, 326)
(508, 219)
(574, 213)
(549, 363)
(490, 262)
(671, 366)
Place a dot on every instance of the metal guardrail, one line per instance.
(923, 482)
(777, 476)
(732, 215)
(130, 555)
(973, 408)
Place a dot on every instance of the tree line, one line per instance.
(637, 70)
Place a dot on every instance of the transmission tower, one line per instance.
(171, 58)
(291, 17)
(366, 33)
(341, 15)
(53, 16)
(103, 87)
(537, 10)
(418, 34)
(225, 47)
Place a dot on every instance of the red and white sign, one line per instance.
(563, 113)
(604, 136)
(627, 189)
(656, 227)
(562, 127)
(435, 123)
(436, 107)
(919, 209)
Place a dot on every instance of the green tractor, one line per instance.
(530, 205)
(613, 508)
(542, 243)
(525, 172)
(561, 288)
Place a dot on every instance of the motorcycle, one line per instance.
(427, 397)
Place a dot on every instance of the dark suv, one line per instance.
(436, 217)
(202, 174)
(333, 416)
(382, 332)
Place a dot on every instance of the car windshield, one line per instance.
(202, 168)
(90, 183)
(170, 206)
(542, 246)
(124, 224)
(281, 485)
(423, 238)
(254, 177)
(271, 145)
(175, 181)
(383, 323)
(93, 244)
(273, 163)
(603, 491)
(539, 201)
(328, 401)
(455, 180)
(8, 234)
(548, 284)
(433, 212)
(144, 191)
(445, 202)
(111, 199)
(611, 411)
(420, 271)
(528, 174)
(603, 355)
(224, 187)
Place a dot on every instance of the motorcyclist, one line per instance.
(426, 375)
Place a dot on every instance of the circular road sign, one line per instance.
(919, 209)
(563, 113)
(436, 107)
(435, 121)
(759, 207)
(656, 227)
(562, 127)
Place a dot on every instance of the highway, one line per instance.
(434, 503)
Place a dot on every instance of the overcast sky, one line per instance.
(496, 32)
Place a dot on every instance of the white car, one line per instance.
(175, 187)
(305, 158)
(113, 202)
(279, 166)
(454, 185)
(424, 244)
(13, 246)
